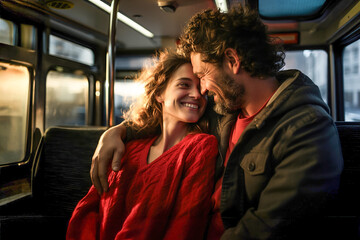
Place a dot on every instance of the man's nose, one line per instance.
(203, 89)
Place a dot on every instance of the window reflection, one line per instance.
(28, 36)
(126, 90)
(351, 81)
(66, 99)
(126, 93)
(312, 63)
(69, 50)
(14, 101)
(7, 32)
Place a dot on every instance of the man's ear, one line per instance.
(232, 60)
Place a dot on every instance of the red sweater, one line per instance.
(170, 198)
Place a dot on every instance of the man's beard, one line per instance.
(233, 93)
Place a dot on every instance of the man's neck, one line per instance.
(258, 91)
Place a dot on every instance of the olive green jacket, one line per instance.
(284, 167)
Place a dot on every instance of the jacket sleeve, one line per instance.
(190, 214)
(308, 163)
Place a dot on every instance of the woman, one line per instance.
(163, 189)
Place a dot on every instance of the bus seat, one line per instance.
(345, 209)
(60, 179)
(61, 176)
(349, 134)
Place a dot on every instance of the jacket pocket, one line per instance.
(254, 163)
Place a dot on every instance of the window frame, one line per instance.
(72, 39)
(324, 10)
(51, 62)
(318, 47)
(29, 114)
(15, 32)
(134, 71)
(91, 82)
(339, 47)
(27, 59)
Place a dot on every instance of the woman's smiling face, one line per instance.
(182, 101)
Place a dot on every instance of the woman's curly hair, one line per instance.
(211, 32)
(145, 115)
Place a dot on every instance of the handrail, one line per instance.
(110, 65)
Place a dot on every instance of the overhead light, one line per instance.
(123, 18)
(62, 4)
(222, 5)
(168, 6)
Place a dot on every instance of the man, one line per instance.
(279, 153)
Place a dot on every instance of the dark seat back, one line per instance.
(349, 198)
(62, 175)
(60, 179)
(345, 210)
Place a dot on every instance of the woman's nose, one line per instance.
(195, 93)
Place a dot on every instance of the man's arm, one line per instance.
(110, 149)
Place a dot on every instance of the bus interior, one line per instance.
(67, 69)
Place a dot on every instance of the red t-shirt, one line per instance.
(216, 227)
(170, 198)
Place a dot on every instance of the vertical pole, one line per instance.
(110, 65)
(333, 95)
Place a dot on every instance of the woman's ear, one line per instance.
(159, 98)
(232, 60)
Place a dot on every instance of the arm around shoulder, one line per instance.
(109, 150)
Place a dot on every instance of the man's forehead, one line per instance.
(196, 61)
(195, 55)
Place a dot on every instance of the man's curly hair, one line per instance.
(211, 32)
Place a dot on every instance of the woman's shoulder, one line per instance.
(138, 144)
(200, 149)
(201, 139)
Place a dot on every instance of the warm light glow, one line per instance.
(97, 88)
(14, 111)
(129, 88)
(286, 38)
(123, 19)
(222, 5)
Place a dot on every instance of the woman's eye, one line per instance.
(183, 85)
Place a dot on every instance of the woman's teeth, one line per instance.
(191, 105)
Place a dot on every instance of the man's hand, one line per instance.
(110, 149)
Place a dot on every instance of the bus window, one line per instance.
(28, 36)
(312, 63)
(67, 97)
(14, 101)
(7, 32)
(126, 92)
(351, 73)
(62, 48)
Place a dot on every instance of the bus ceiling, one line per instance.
(155, 24)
